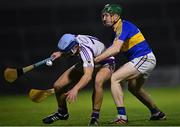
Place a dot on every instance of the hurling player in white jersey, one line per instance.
(78, 76)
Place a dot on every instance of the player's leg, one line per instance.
(145, 67)
(61, 86)
(102, 76)
(135, 86)
(125, 72)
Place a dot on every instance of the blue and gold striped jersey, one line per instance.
(134, 44)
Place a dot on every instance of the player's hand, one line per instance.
(71, 95)
(56, 55)
(95, 60)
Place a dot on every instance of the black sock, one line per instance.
(95, 114)
(62, 110)
(154, 110)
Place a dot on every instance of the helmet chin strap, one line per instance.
(114, 22)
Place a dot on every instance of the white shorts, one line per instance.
(145, 64)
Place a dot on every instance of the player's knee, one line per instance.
(56, 87)
(99, 84)
(133, 89)
(115, 79)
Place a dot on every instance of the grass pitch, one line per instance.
(18, 110)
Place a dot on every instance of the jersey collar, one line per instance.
(117, 25)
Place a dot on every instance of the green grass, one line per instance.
(20, 111)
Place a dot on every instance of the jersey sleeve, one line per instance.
(87, 57)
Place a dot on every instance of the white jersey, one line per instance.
(90, 47)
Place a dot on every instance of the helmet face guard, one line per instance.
(74, 50)
(112, 9)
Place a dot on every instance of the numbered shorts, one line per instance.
(145, 64)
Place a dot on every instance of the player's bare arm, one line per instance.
(72, 94)
(111, 51)
(59, 54)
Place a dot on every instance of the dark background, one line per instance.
(30, 30)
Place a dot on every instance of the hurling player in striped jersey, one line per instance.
(129, 41)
